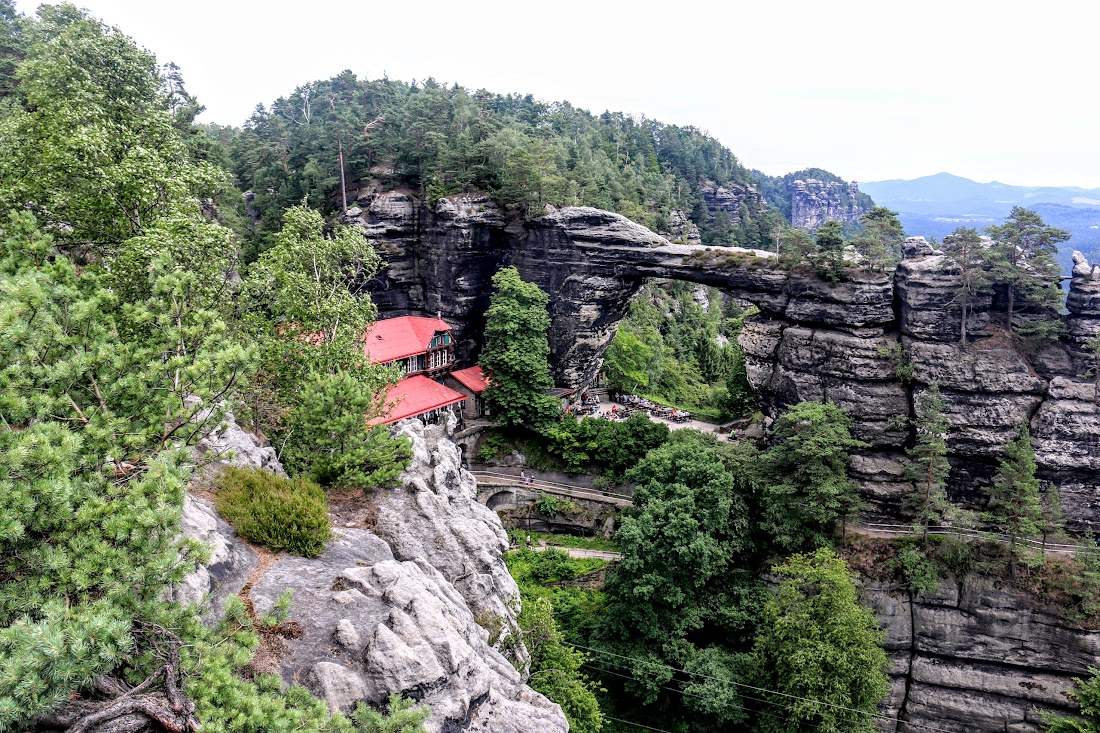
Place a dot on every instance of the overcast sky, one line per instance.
(867, 89)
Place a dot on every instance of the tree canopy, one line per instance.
(516, 351)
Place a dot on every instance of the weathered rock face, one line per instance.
(401, 609)
(815, 202)
(848, 342)
(975, 657)
(731, 197)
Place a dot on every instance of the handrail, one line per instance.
(907, 529)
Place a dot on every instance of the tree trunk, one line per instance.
(1011, 303)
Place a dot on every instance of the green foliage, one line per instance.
(91, 149)
(549, 505)
(880, 239)
(279, 513)
(441, 140)
(603, 445)
(308, 315)
(807, 467)
(556, 667)
(625, 362)
(1014, 496)
(1086, 694)
(928, 468)
(816, 643)
(115, 352)
(686, 580)
(402, 716)
(901, 364)
(921, 574)
(330, 438)
(1022, 260)
(829, 244)
(516, 352)
(225, 702)
(668, 349)
(496, 443)
(964, 251)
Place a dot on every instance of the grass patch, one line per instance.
(273, 511)
(576, 610)
(564, 540)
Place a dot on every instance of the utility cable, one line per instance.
(878, 716)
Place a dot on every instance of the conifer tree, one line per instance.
(928, 469)
(1014, 496)
(1022, 259)
(964, 251)
(881, 238)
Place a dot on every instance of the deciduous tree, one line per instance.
(516, 353)
(820, 650)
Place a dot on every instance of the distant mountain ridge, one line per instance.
(934, 206)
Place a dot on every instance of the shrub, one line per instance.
(279, 513)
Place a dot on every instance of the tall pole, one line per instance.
(343, 185)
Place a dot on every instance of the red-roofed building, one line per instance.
(415, 344)
(471, 382)
(418, 396)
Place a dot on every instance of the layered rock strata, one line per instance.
(871, 343)
(815, 202)
(975, 657)
(405, 607)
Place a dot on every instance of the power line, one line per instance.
(639, 725)
(763, 690)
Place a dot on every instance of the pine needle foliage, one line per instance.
(276, 512)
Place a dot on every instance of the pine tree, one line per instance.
(1014, 497)
(880, 240)
(964, 251)
(928, 468)
(1022, 259)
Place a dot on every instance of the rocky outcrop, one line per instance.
(815, 202)
(422, 605)
(731, 198)
(977, 657)
(681, 230)
(871, 343)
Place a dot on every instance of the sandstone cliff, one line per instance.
(850, 342)
(401, 607)
(815, 202)
(973, 656)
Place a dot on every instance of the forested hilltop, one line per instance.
(438, 140)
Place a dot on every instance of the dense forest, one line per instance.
(438, 140)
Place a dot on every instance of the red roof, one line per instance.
(472, 379)
(397, 338)
(413, 396)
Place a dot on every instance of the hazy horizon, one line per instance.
(867, 91)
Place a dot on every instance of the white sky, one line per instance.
(869, 89)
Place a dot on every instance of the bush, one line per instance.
(279, 513)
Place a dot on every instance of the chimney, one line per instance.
(439, 315)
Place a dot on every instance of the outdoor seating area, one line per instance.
(633, 403)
